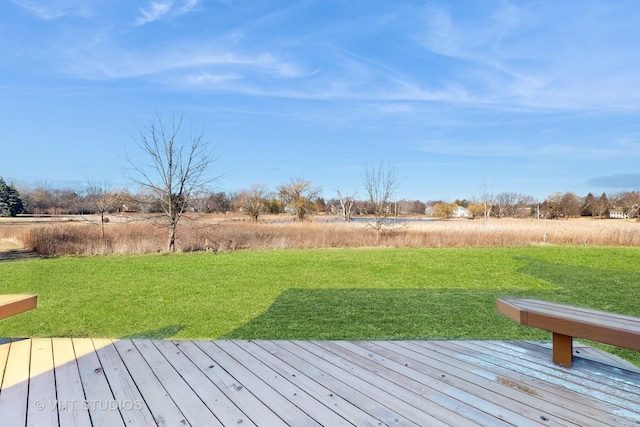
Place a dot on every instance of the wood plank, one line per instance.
(335, 382)
(69, 389)
(317, 414)
(132, 406)
(15, 384)
(535, 377)
(192, 407)
(288, 384)
(219, 404)
(4, 355)
(617, 319)
(347, 413)
(417, 409)
(250, 405)
(557, 379)
(616, 380)
(377, 402)
(364, 412)
(10, 305)
(103, 407)
(41, 407)
(474, 408)
(588, 315)
(164, 410)
(247, 378)
(501, 385)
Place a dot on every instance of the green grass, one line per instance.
(315, 294)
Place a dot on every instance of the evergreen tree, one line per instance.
(10, 202)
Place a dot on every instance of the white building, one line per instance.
(618, 214)
(460, 212)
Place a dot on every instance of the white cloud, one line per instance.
(539, 57)
(206, 79)
(160, 9)
(187, 7)
(53, 9)
(154, 11)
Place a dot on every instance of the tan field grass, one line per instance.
(133, 235)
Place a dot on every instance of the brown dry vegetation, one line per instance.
(223, 233)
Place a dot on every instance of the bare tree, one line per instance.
(102, 198)
(380, 184)
(502, 203)
(176, 168)
(253, 201)
(347, 205)
(569, 205)
(486, 200)
(299, 196)
(601, 206)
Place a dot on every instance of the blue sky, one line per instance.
(533, 97)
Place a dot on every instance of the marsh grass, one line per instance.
(220, 234)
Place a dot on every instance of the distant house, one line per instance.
(461, 212)
(618, 214)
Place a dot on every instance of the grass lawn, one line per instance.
(315, 294)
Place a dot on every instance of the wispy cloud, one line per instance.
(168, 8)
(53, 9)
(539, 57)
(154, 11)
(182, 63)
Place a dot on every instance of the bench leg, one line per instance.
(562, 350)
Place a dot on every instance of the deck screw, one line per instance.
(543, 418)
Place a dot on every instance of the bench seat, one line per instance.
(566, 322)
(10, 305)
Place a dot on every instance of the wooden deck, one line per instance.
(63, 381)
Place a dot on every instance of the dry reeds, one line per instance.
(218, 234)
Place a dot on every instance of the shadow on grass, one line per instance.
(437, 313)
(609, 290)
(157, 334)
(381, 314)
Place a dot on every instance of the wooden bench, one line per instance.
(566, 322)
(10, 305)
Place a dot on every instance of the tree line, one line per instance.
(300, 198)
(174, 178)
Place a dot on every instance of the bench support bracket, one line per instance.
(562, 349)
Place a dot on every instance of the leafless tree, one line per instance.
(600, 206)
(253, 201)
(177, 167)
(486, 200)
(299, 196)
(509, 204)
(102, 198)
(347, 205)
(503, 203)
(569, 205)
(380, 184)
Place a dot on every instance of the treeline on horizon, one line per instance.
(43, 200)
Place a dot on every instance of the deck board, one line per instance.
(69, 389)
(94, 382)
(123, 387)
(42, 387)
